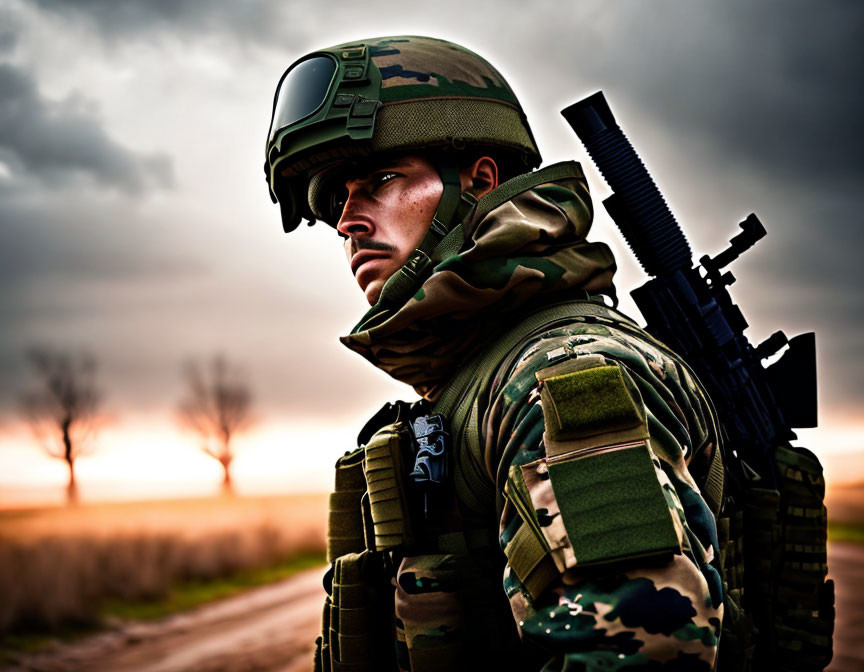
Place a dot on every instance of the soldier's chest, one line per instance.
(416, 579)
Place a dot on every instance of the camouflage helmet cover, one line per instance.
(384, 95)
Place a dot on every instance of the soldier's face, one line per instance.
(388, 207)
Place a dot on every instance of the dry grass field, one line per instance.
(134, 561)
(61, 567)
(845, 502)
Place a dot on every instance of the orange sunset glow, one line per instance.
(159, 460)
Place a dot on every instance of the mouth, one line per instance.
(363, 256)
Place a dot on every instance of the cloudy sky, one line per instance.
(135, 221)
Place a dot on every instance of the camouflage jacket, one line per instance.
(595, 596)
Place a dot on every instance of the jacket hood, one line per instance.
(524, 252)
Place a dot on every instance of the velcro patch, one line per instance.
(613, 505)
(604, 506)
(588, 402)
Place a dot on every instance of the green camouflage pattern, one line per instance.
(665, 613)
(422, 67)
(451, 614)
(428, 609)
(527, 249)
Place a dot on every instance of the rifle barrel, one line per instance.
(649, 226)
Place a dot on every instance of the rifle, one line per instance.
(688, 307)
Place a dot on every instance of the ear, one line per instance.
(480, 177)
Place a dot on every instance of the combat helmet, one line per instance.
(386, 94)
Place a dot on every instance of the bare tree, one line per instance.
(218, 406)
(62, 409)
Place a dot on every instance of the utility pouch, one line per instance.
(321, 659)
(738, 637)
(345, 523)
(600, 494)
(357, 634)
(586, 521)
(805, 600)
(785, 561)
(385, 472)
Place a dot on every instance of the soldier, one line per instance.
(558, 458)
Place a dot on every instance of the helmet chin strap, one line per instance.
(444, 238)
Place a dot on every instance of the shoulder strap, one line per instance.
(521, 183)
(486, 362)
(459, 401)
(455, 239)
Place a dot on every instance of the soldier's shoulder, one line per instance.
(626, 344)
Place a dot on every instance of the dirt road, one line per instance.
(846, 567)
(271, 629)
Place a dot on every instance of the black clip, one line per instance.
(431, 464)
(386, 415)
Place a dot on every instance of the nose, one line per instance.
(353, 222)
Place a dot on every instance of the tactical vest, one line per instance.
(403, 557)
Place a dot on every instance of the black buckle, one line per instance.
(417, 265)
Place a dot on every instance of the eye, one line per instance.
(378, 179)
(338, 199)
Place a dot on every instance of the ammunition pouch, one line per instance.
(443, 608)
(780, 611)
(359, 594)
(385, 474)
(344, 520)
(368, 515)
(359, 599)
(803, 615)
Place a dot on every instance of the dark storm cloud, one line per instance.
(779, 84)
(767, 97)
(769, 92)
(8, 39)
(784, 104)
(60, 141)
(246, 21)
(776, 83)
